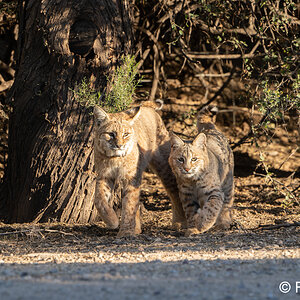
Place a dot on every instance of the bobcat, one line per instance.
(125, 144)
(204, 174)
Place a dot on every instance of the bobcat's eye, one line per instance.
(194, 159)
(180, 159)
(106, 136)
(125, 135)
(111, 135)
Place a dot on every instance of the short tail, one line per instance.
(206, 118)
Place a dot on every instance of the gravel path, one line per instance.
(233, 265)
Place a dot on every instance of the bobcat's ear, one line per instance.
(100, 115)
(133, 113)
(200, 140)
(175, 140)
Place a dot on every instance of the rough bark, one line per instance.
(50, 166)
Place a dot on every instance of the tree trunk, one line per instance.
(49, 174)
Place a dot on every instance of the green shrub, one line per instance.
(119, 92)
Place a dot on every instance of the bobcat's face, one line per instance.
(115, 139)
(188, 159)
(186, 162)
(114, 134)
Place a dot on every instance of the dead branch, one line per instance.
(39, 230)
(292, 153)
(156, 61)
(183, 134)
(142, 60)
(250, 31)
(271, 227)
(280, 183)
(156, 65)
(291, 19)
(6, 85)
(250, 134)
(194, 55)
(9, 70)
(213, 75)
(219, 92)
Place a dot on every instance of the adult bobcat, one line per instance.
(125, 144)
(204, 174)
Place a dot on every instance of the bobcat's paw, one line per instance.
(223, 226)
(111, 221)
(191, 231)
(224, 221)
(127, 233)
(138, 230)
(112, 224)
(179, 225)
(200, 223)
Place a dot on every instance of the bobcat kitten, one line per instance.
(204, 174)
(125, 144)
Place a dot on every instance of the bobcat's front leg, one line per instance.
(190, 206)
(105, 209)
(130, 218)
(208, 215)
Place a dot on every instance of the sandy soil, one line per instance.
(85, 262)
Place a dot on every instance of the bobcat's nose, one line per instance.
(187, 169)
(121, 147)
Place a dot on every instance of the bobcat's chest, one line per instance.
(116, 173)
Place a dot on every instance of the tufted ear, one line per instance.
(175, 140)
(133, 113)
(100, 115)
(200, 140)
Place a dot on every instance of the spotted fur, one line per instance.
(204, 174)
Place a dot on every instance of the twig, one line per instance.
(156, 65)
(251, 133)
(291, 19)
(220, 56)
(254, 48)
(37, 231)
(58, 231)
(239, 109)
(270, 227)
(156, 60)
(142, 60)
(16, 232)
(280, 183)
(6, 85)
(293, 152)
(185, 135)
(250, 31)
(213, 75)
(7, 68)
(296, 188)
(220, 90)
